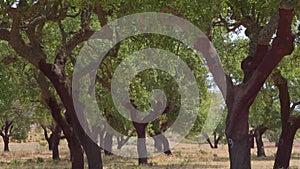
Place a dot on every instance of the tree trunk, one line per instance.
(108, 139)
(158, 145)
(260, 146)
(285, 146)
(59, 81)
(76, 153)
(140, 128)
(91, 148)
(289, 123)
(55, 142)
(162, 142)
(239, 143)
(101, 136)
(216, 140)
(141, 144)
(251, 138)
(95, 132)
(48, 138)
(256, 69)
(239, 153)
(93, 153)
(6, 142)
(259, 131)
(166, 144)
(122, 140)
(6, 132)
(208, 140)
(55, 151)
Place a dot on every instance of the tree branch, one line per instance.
(52, 103)
(7, 126)
(101, 15)
(122, 142)
(79, 37)
(10, 130)
(172, 10)
(1, 132)
(284, 96)
(18, 44)
(281, 46)
(268, 31)
(45, 132)
(204, 46)
(261, 41)
(296, 121)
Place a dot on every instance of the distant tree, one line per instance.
(63, 123)
(264, 115)
(53, 138)
(16, 110)
(290, 122)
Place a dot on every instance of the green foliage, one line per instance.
(16, 78)
(147, 81)
(15, 100)
(231, 53)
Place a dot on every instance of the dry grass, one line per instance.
(189, 156)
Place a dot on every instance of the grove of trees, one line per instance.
(256, 41)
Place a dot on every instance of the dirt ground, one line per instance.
(34, 155)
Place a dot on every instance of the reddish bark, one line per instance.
(239, 98)
(73, 142)
(256, 70)
(289, 124)
(91, 149)
(35, 55)
(258, 132)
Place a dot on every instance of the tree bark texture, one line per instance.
(289, 123)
